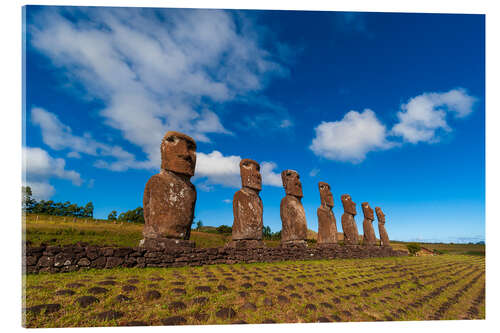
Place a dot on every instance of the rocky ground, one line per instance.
(402, 288)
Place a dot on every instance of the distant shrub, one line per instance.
(224, 229)
(413, 248)
(476, 253)
(311, 241)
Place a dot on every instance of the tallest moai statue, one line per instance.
(169, 196)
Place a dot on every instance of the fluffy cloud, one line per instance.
(419, 120)
(351, 138)
(314, 172)
(154, 70)
(41, 190)
(269, 177)
(59, 136)
(39, 167)
(215, 168)
(423, 116)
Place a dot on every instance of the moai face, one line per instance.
(291, 183)
(178, 153)
(250, 174)
(325, 194)
(349, 205)
(380, 215)
(367, 211)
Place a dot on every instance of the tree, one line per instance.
(266, 232)
(88, 211)
(28, 201)
(413, 248)
(224, 229)
(112, 216)
(135, 215)
(199, 224)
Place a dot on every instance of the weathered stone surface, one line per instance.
(170, 197)
(327, 225)
(292, 250)
(245, 244)
(49, 308)
(368, 232)
(83, 262)
(85, 301)
(293, 217)
(351, 236)
(247, 205)
(384, 238)
(109, 315)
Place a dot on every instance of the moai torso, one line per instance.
(348, 223)
(327, 225)
(293, 217)
(368, 232)
(247, 205)
(169, 202)
(170, 197)
(384, 238)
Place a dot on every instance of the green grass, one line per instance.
(339, 290)
(55, 230)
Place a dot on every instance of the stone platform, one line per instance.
(81, 256)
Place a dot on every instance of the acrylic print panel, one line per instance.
(195, 167)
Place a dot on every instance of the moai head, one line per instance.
(349, 205)
(367, 211)
(178, 153)
(291, 183)
(380, 215)
(250, 174)
(325, 194)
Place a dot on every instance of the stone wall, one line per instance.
(81, 256)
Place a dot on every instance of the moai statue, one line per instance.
(349, 227)
(384, 238)
(368, 232)
(293, 217)
(247, 207)
(327, 225)
(169, 197)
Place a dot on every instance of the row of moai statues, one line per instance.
(170, 197)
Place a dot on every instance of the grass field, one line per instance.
(403, 288)
(449, 286)
(56, 230)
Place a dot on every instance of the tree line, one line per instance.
(50, 207)
(134, 215)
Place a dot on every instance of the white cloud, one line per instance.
(39, 167)
(227, 200)
(218, 169)
(59, 136)
(154, 70)
(314, 172)
(351, 138)
(269, 177)
(423, 116)
(215, 168)
(285, 123)
(41, 190)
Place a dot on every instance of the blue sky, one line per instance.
(386, 107)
